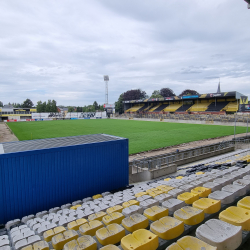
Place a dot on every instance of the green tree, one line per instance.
(44, 105)
(95, 105)
(49, 106)
(156, 94)
(27, 104)
(53, 106)
(70, 109)
(1, 104)
(79, 109)
(101, 108)
(39, 107)
(119, 105)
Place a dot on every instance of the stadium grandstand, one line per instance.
(211, 103)
(8, 112)
(186, 211)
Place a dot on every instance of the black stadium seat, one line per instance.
(219, 106)
(163, 106)
(142, 108)
(184, 108)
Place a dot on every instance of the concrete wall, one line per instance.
(147, 175)
(204, 156)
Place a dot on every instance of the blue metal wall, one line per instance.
(38, 180)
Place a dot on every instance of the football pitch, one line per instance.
(142, 135)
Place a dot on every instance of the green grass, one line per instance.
(142, 135)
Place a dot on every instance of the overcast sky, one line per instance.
(61, 49)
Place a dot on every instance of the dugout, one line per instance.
(37, 175)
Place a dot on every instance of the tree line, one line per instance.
(90, 108)
(51, 106)
(26, 104)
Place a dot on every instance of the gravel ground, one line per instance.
(5, 134)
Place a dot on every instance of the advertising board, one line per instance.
(109, 106)
(190, 96)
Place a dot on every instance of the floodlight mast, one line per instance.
(106, 79)
(248, 3)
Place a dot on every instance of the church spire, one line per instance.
(218, 90)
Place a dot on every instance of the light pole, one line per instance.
(248, 5)
(106, 80)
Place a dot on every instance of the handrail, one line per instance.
(166, 159)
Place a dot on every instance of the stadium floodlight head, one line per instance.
(248, 1)
(106, 79)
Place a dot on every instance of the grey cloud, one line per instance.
(52, 50)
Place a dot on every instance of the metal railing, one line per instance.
(200, 117)
(159, 161)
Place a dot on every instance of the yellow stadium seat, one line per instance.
(199, 107)
(244, 203)
(209, 206)
(155, 193)
(141, 239)
(115, 217)
(199, 173)
(130, 203)
(152, 190)
(97, 196)
(167, 179)
(172, 107)
(135, 222)
(174, 246)
(190, 215)
(110, 247)
(156, 212)
(188, 198)
(179, 177)
(231, 107)
(29, 247)
(165, 188)
(74, 225)
(90, 228)
(236, 216)
(135, 108)
(140, 194)
(40, 245)
(58, 241)
(192, 243)
(97, 216)
(75, 207)
(112, 234)
(201, 191)
(167, 228)
(113, 209)
(85, 242)
(47, 235)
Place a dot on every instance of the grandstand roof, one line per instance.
(20, 146)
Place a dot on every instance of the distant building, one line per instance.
(60, 110)
(8, 112)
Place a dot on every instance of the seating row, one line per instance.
(161, 193)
